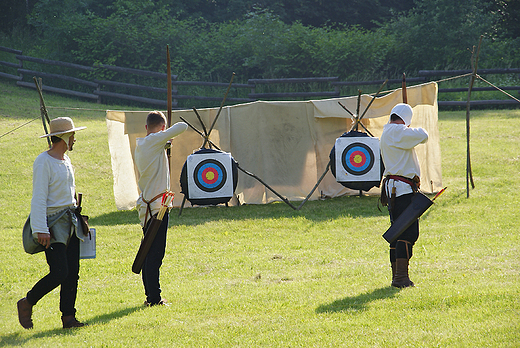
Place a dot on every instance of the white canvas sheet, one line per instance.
(285, 143)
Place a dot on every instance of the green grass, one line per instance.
(265, 275)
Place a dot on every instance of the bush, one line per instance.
(434, 35)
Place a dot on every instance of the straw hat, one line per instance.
(62, 125)
(404, 111)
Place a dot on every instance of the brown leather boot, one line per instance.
(401, 279)
(25, 313)
(70, 321)
(393, 269)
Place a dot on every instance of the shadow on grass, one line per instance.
(17, 340)
(114, 218)
(318, 210)
(105, 318)
(357, 303)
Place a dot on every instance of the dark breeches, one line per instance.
(63, 264)
(153, 262)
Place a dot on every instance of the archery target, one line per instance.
(357, 159)
(209, 175)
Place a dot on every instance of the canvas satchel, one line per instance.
(30, 242)
(30, 245)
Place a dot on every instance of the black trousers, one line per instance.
(153, 261)
(63, 261)
(402, 247)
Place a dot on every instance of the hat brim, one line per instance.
(64, 132)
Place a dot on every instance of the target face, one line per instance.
(357, 159)
(209, 175)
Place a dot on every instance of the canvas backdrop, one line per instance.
(285, 143)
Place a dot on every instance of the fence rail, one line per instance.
(462, 72)
(58, 90)
(86, 83)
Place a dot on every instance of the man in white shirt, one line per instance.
(154, 179)
(53, 201)
(401, 174)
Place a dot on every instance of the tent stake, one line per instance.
(469, 175)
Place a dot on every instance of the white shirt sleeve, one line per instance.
(41, 178)
(410, 138)
(160, 138)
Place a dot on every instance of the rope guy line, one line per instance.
(391, 90)
(12, 130)
(498, 88)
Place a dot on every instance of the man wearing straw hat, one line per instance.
(53, 202)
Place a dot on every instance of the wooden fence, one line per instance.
(86, 84)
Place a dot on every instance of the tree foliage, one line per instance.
(506, 18)
(437, 34)
(209, 39)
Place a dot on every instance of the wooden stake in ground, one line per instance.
(169, 102)
(474, 63)
(43, 110)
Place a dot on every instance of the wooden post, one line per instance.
(98, 88)
(474, 63)
(169, 100)
(403, 89)
(357, 110)
(21, 67)
(43, 110)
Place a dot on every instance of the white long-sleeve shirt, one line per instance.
(397, 150)
(53, 189)
(152, 164)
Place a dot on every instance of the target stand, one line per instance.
(209, 177)
(356, 161)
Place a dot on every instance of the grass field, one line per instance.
(265, 275)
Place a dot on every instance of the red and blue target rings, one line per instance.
(209, 175)
(357, 159)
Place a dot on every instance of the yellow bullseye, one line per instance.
(358, 159)
(210, 176)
